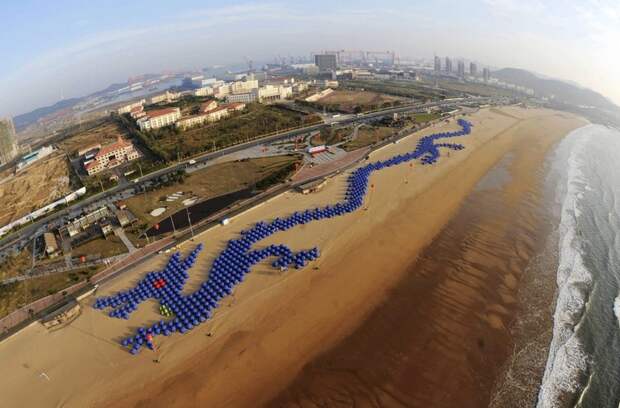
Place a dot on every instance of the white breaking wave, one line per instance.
(617, 308)
(567, 360)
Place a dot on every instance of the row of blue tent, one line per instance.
(237, 259)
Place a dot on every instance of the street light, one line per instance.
(190, 222)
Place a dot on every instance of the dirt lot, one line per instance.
(38, 185)
(103, 247)
(348, 101)
(211, 182)
(16, 265)
(104, 134)
(15, 295)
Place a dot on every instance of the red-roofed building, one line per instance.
(156, 119)
(237, 106)
(111, 156)
(207, 106)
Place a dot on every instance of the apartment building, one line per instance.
(159, 118)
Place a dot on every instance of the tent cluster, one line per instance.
(237, 259)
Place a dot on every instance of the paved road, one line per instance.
(110, 195)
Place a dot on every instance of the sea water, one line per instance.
(583, 366)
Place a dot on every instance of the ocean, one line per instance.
(583, 365)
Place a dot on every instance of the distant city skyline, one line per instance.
(69, 49)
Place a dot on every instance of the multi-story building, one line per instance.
(473, 69)
(200, 81)
(166, 97)
(221, 91)
(204, 91)
(437, 64)
(326, 62)
(127, 108)
(241, 87)
(271, 93)
(191, 121)
(248, 97)
(448, 65)
(8, 142)
(235, 107)
(216, 114)
(159, 118)
(461, 69)
(111, 156)
(207, 106)
(486, 74)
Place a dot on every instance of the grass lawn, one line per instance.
(211, 182)
(106, 248)
(19, 294)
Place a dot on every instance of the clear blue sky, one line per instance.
(71, 48)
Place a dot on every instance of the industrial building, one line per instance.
(326, 62)
(159, 118)
(8, 142)
(32, 157)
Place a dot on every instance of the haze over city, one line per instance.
(54, 50)
(286, 204)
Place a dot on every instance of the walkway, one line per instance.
(119, 232)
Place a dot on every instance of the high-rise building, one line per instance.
(448, 64)
(326, 62)
(8, 142)
(437, 64)
(473, 69)
(486, 74)
(461, 69)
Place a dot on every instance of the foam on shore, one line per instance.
(567, 361)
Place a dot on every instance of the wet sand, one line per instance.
(276, 323)
(443, 335)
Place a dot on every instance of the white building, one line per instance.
(166, 97)
(221, 91)
(204, 91)
(191, 121)
(207, 106)
(201, 82)
(243, 98)
(159, 118)
(240, 87)
(271, 93)
(127, 108)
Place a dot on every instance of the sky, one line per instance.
(68, 48)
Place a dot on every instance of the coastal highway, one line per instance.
(55, 219)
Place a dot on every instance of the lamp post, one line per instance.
(190, 222)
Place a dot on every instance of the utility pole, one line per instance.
(190, 222)
(174, 230)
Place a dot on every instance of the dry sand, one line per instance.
(275, 323)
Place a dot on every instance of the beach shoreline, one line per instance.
(274, 324)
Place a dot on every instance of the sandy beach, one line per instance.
(317, 334)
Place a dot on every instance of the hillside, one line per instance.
(563, 92)
(22, 121)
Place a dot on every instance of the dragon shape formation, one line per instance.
(233, 264)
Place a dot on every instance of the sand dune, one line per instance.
(276, 323)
